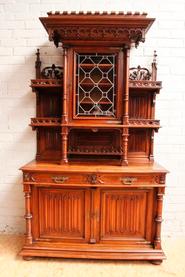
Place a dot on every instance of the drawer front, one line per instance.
(95, 179)
(54, 178)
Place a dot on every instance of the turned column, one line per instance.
(28, 215)
(64, 132)
(151, 156)
(124, 160)
(158, 219)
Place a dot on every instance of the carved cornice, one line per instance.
(117, 28)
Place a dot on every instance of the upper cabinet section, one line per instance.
(97, 28)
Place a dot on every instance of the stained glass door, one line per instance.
(96, 85)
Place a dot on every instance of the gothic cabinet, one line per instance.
(94, 190)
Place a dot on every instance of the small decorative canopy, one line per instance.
(97, 28)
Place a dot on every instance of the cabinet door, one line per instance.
(126, 215)
(61, 214)
(97, 88)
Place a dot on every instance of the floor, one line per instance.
(12, 265)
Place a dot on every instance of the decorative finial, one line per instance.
(38, 55)
(154, 66)
(38, 64)
(155, 57)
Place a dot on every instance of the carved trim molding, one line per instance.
(68, 33)
(45, 121)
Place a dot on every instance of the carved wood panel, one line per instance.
(62, 213)
(48, 144)
(125, 214)
(139, 143)
(49, 105)
(140, 106)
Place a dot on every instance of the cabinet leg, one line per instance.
(156, 262)
(27, 258)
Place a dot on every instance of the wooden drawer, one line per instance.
(93, 179)
(54, 178)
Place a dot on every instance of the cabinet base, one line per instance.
(100, 252)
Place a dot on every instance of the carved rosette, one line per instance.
(94, 179)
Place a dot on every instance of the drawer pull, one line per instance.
(128, 180)
(60, 179)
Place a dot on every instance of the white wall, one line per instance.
(21, 33)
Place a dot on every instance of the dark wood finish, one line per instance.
(94, 190)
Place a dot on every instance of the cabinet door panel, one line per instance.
(63, 214)
(126, 214)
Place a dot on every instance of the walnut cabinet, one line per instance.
(94, 190)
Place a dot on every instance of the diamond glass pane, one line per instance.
(95, 89)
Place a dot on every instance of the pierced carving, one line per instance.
(139, 73)
(86, 150)
(52, 72)
(94, 179)
(27, 177)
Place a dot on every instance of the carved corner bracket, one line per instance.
(160, 179)
(27, 177)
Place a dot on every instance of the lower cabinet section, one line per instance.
(93, 222)
(93, 215)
